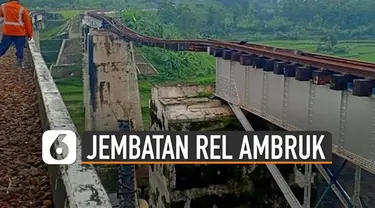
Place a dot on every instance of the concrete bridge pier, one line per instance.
(41, 25)
(38, 20)
(110, 91)
(36, 40)
(112, 83)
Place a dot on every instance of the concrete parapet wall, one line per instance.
(76, 185)
(185, 91)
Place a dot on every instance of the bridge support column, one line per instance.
(41, 25)
(111, 92)
(36, 39)
(113, 86)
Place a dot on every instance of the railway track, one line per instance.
(266, 53)
(314, 55)
(257, 51)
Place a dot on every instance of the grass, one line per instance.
(50, 33)
(75, 97)
(146, 118)
(362, 50)
(198, 68)
(68, 14)
(66, 89)
(145, 91)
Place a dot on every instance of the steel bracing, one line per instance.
(290, 197)
(331, 178)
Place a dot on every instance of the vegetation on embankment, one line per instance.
(175, 67)
(199, 67)
(354, 49)
(55, 27)
(250, 19)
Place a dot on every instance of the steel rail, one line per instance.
(311, 54)
(337, 65)
(343, 60)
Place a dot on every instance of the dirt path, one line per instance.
(23, 175)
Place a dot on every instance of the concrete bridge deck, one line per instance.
(30, 103)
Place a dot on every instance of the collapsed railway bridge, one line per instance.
(290, 90)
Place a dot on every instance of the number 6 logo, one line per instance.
(59, 147)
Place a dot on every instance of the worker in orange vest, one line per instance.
(16, 27)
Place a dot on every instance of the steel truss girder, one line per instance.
(283, 185)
